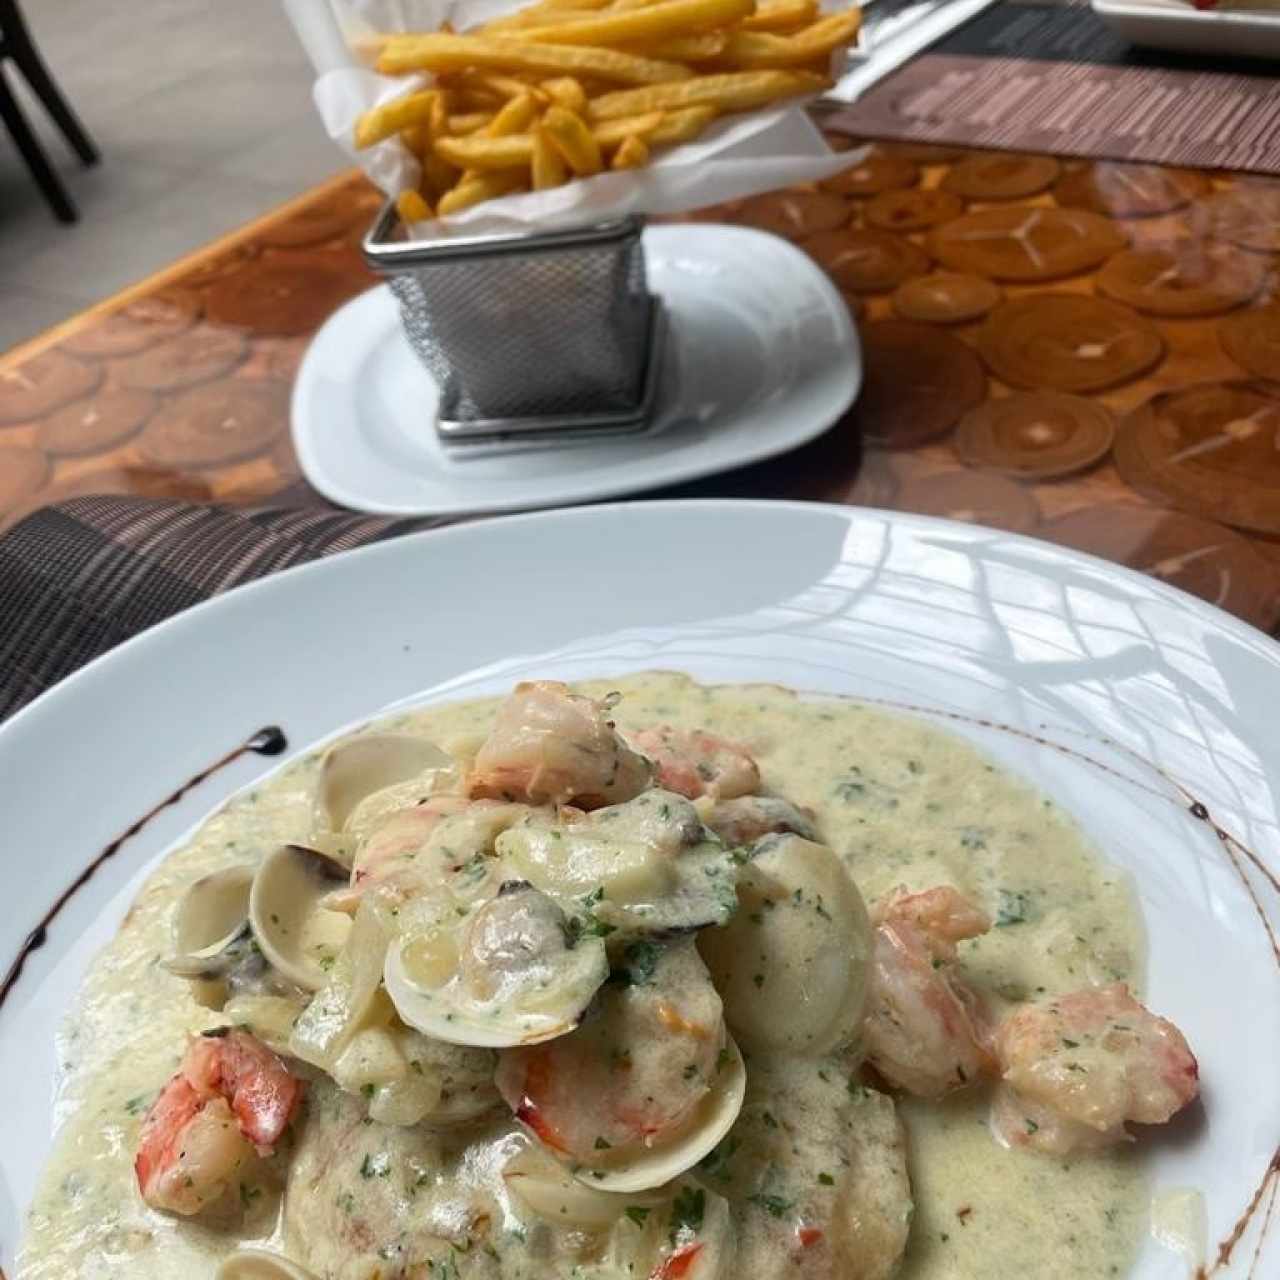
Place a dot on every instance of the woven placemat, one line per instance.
(80, 577)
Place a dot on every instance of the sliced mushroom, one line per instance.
(511, 972)
(792, 965)
(258, 1264)
(212, 915)
(358, 769)
(299, 937)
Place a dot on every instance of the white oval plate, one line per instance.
(761, 358)
(1124, 699)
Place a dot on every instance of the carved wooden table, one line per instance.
(1089, 353)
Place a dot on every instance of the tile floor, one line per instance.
(203, 114)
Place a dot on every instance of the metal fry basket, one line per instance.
(551, 333)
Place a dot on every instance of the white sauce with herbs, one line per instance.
(902, 802)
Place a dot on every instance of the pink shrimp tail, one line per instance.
(263, 1094)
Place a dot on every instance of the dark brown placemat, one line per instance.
(80, 577)
(1051, 76)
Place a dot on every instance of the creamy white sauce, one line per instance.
(902, 801)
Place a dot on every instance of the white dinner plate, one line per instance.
(1127, 701)
(1179, 26)
(761, 357)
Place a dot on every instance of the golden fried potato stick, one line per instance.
(515, 117)
(632, 154)
(567, 92)
(732, 91)
(506, 87)
(700, 47)
(439, 121)
(534, 16)
(758, 49)
(570, 136)
(412, 207)
(391, 117)
(546, 164)
(682, 125)
(475, 188)
(521, 149)
(781, 15)
(467, 122)
(455, 53)
(654, 22)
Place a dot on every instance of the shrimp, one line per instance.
(925, 1029)
(551, 746)
(1077, 1067)
(230, 1097)
(695, 763)
(633, 1074)
(745, 819)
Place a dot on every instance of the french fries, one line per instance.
(632, 154)
(390, 117)
(732, 91)
(566, 89)
(458, 53)
(654, 22)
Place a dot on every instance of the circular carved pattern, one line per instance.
(919, 382)
(135, 327)
(1196, 555)
(1252, 340)
(912, 209)
(866, 261)
(1208, 449)
(876, 172)
(1183, 278)
(945, 298)
(1248, 216)
(1129, 190)
(101, 422)
(214, 425)
(281, 295)
(793, 214)
(1067, 342)
(972, 497)
(200, 355)
(1036, 435)
(1001, 176)
(44, 383)
(1025, 243)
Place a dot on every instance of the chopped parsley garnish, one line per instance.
(637, 1213)
(1015, 907)
(375, 1166)
(826, 1180)
(777, 1206)
(686, 1213)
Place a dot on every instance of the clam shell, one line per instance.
(286, 915)
(715, 1117)
(541, 1183)
(815, 947)
(212, 914)
(257, 1264)
(454, 1013)
(361, 766)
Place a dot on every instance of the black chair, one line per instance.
(16, 46)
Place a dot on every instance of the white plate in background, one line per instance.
(761, 358)
(1121, 697)
(1171, 24)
